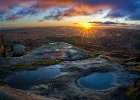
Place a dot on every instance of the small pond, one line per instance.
(25, 80)
(99, 81)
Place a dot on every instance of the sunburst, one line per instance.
(87, 30)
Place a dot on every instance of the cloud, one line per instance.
(118, 8)
(58, 14)
(13, 18)
(135, 15)
(15, 9)
(55, 15)
(107, 23)
(31, 7)
(27, 11)
(39, 4)
(44, 4)
(79, 9)
(6, 5)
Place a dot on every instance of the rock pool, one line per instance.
(25, 80)
(98, 81)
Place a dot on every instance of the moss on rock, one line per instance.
(35, 64)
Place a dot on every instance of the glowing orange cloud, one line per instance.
(82, 10)
(43, 4)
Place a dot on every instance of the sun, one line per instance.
(85, 25)
(87, 30)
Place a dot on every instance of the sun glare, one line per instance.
(87, 29)
(85, 25)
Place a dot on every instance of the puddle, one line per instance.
(25, 80)
(99, 81)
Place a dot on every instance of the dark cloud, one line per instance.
(55, 15)
(116, 14)
(13, 18)
(1, 16)
(118, 8)
(32, 7)
(135, 15)
(70, 12)
(6, 5)
(107, 23)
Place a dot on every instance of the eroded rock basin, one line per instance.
(99, 81)
(25, 80)
(93, 78)
(89, 79)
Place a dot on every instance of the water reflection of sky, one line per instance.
(25, 80)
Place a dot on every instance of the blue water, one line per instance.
(99, 81)
(25, 80)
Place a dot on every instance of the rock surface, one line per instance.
(15, 94)
(67, 85)
(56, 50)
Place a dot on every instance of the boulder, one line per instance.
(18, 50)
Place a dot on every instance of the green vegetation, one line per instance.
(34, 65)
(27, 66)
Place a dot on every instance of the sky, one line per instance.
(38, 13)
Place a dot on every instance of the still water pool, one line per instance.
(98, 81)
(25, 80)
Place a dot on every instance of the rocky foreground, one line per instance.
(77, 64)
(58, 50)
(67, 85)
